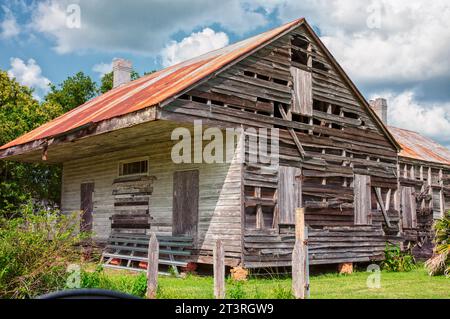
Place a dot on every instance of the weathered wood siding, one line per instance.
(425, 196)
(219, 193)
(292, 85)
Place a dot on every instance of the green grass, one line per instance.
(409, 285)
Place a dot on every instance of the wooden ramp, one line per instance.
(130, 251)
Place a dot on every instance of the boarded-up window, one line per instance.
(409, 214)
(302, 92)
(87, 206)
(363, 200)
(185, 203)
(289, 193)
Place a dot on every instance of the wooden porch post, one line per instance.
(300, 262)
(219, 270)
(152, 267)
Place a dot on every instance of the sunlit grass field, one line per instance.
(416, 284)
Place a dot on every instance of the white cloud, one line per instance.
(429, 119)
(411, 44)
(8, 26)
(102, 68)
(194, 45)
(29, 74)
(137, 26)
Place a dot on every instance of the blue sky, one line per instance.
(396, 49)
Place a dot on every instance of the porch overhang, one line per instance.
(87, 140)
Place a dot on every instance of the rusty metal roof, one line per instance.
(150, 90)
(419, 147)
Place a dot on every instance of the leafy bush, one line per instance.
(397, 260)
(235, 289)
(35, 250)
(440, 262)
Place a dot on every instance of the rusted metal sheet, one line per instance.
(150, 90)
(419, 147)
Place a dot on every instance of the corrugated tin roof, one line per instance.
(149, 90)
(419, 147)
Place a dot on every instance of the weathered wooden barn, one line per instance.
(336, 157)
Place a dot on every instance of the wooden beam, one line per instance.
(381, 203)
(388, 200)
(292, 132)
(300, 262)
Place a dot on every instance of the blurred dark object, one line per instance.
(87, 294)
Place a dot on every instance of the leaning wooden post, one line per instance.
(219, 270)
(152, 267)
(300, 263)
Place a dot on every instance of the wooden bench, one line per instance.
(130, 251)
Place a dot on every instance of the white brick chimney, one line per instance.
(380, 106)
(121, 72)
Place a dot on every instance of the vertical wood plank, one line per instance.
(302, 92)
(300, 263)
(219, 270)
(300, 224)
(382, 207)
(298, 282)
(289, 193)
(307, 282)
(441, 195)
(388, 200)
(185, 202)
(430, 189)
(152, 267)
(86, 206)
(363, 200)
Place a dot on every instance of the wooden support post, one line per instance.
(300, 224)
(441, 195)
(292, 132)
(219, 270)
(300, 263)
(382, 207)
(152, 267)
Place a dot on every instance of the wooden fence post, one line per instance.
(300, 262)
(219, 270)
(152, 267)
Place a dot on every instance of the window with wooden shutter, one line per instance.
(363, 200)
(302, 101)
(289, 193)
(409, 214)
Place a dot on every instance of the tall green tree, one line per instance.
(20, 113)
(72, 92)
(107, 81)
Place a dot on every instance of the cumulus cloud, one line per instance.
(137, 26)
(29, 74)
(102, 68)
(378, 41)
(429, 119)
(9, 27)
(194, 45)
